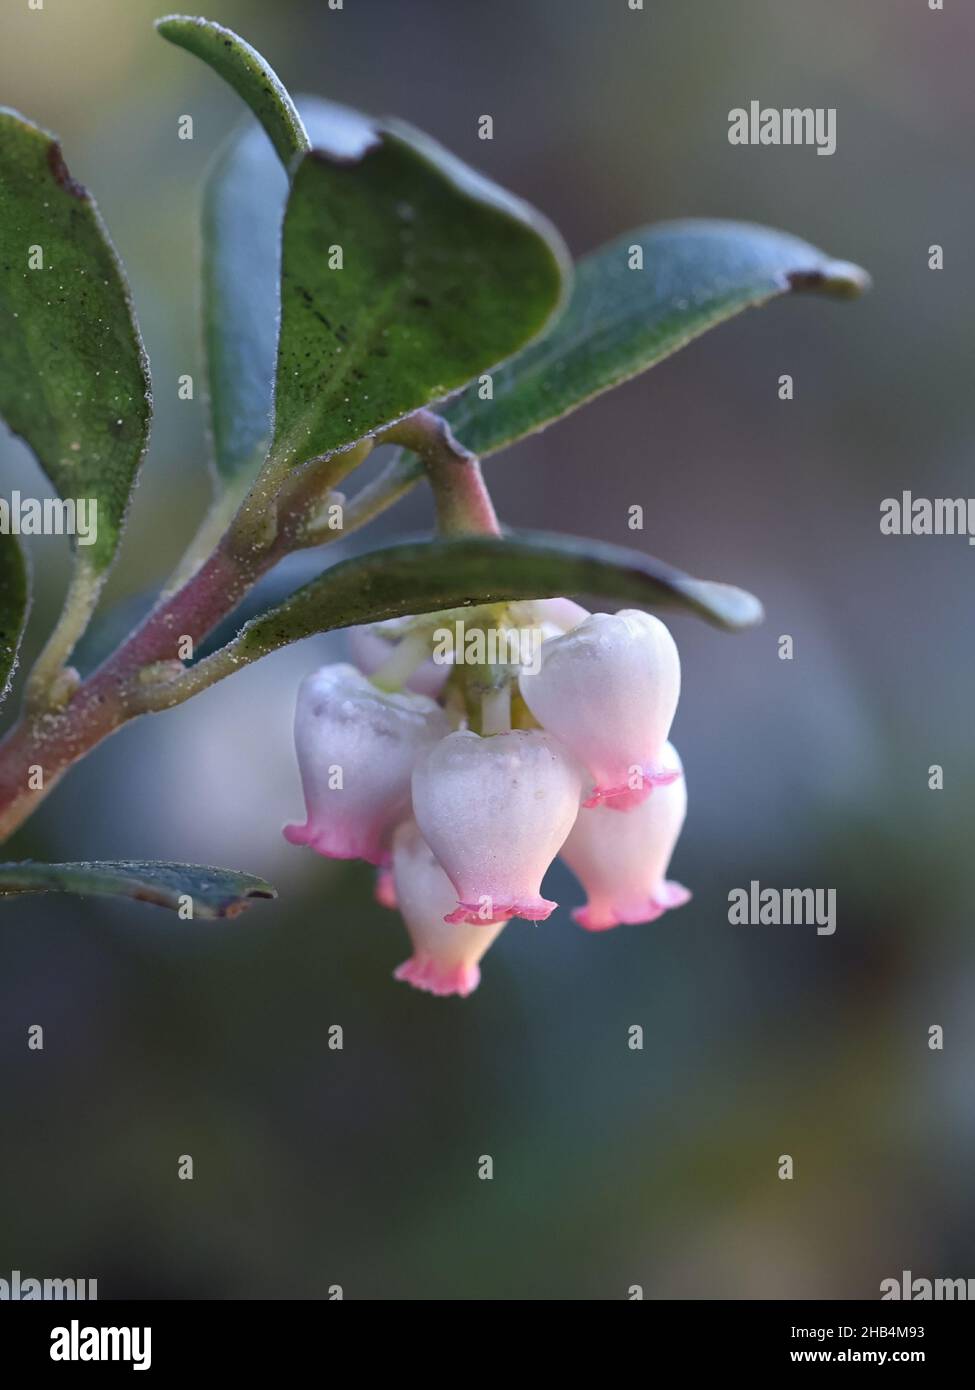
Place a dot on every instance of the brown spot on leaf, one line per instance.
(62, 177)
(806, 279)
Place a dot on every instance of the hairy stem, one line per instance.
(279, 503)
(40, 748)
(220, 513)
(464, 506)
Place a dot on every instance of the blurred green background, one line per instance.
(613, 1167)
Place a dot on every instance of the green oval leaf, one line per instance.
(73, 374)
(430, 576)
(620, 321)
(14, 599)
(404, 275)
(215, 892)
(426, 576)
(243, 208)
(243, 68)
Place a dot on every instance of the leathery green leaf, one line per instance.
(404, 275)
(212, 892)
(74, 378)
(14, 599)
(634, 302)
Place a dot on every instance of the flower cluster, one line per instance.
(463, 822)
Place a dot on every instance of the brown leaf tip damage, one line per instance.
(841, 279)
(62, 176)
(240, 905)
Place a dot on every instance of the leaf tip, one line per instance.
(841, 279)
(168, 23)
(725, 605)
(165, 27)
(235, 906)
(740, 609)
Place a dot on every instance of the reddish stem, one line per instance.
(53, 740)
(464, 506)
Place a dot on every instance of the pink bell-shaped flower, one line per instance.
(445, 957)
(608, 690)
(356, 749)
(495, 812)
(622, 861)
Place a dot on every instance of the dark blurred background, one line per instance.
(613, 1167)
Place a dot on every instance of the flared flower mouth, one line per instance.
(603, 916)
(474, 914)
(337, 842)
(426, 973)
(625, 796)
